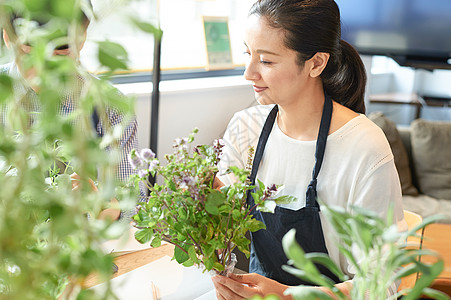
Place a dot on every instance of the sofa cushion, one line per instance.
(431, 151)
(427, 206)
(399, 151)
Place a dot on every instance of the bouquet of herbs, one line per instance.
(203, 222)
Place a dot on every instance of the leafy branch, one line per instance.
(205, 224)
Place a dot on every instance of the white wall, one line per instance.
(207, 104)
(436, 82)
(210, 103)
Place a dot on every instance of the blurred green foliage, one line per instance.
(49, 234)
(375, 249)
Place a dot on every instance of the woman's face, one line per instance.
(271, 66)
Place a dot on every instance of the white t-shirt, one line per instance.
(358, 167)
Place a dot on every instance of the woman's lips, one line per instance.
(259, 89)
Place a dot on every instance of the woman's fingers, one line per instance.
(231, 289)
(249, 279)
(223, 292)
(76, 181)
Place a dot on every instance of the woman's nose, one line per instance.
(251, 72)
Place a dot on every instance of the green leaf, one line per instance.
(180, 255)
(192, 254)
(218, 267)
(172, 186)
(64, 9)
(147, 27)
(261, 185)
(297, 255)
(112, 55)
(255, 225)
(285, 199)
(156, 242)
(182, 213)
(214, 200)
(434, 294)
(256, 197)
(210, 231)
(144, 235)
(236, 214)
(405, 271)
(188, 263)
(34, 5)
(209, 263)
(307, 293)
(325, 260)
(425, 280)
(6, 87)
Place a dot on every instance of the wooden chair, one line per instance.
(412, 220)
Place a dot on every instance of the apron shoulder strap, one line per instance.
(311, 194)
(267, 127)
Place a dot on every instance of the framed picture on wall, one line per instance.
(217, 41)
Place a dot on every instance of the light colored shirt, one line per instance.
(358, 168)
(128, 139)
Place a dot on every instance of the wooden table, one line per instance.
(133, 260)
(437, 237)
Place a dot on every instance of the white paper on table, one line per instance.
(126, 243)
(174, 281)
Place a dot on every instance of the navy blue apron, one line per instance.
(267, 255)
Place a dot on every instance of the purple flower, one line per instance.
(153, 165)
(147, 154)
(142, 173)
(135, 160)
(272, 188)
(177, 142)
(218, 143)
(188, 181)
(181, 142)
(270, 191)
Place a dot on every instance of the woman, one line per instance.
(311, 86)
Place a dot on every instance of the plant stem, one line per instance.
(178, 246)
(250, 210)
(198, 246)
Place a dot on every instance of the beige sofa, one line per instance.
(423, 158)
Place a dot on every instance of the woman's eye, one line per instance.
(264, 62)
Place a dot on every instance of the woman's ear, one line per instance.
(5, 38)
(319, 63)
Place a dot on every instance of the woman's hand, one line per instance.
(217, 184)
(76, 182)
(108, 213)
(247, 285)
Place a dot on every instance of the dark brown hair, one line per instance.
(42, 19)
(313, 26)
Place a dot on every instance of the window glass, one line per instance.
(183, 43)
(383, 64)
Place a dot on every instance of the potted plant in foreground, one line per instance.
(205, 224)
(383, 258)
